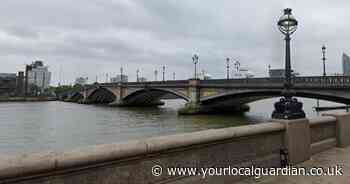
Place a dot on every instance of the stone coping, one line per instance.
(25, 165)
(339, 114)
(322, 120)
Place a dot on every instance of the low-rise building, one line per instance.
(81, 81)
(12, 84)
(280, 73)
(276, 73)
(142, 79)
(120, 78)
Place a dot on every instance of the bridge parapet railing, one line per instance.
(150, 83)
(304, 82)
(323, 81)
(244, 82)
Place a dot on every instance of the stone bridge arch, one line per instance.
(152, 96)
(247, 96)
(76, 97)
(101, 95)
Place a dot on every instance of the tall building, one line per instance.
(39, 76)
(346, 64)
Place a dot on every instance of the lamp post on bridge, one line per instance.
(195, 61)
(228, 68)
(163, 73)
(324, 59)
(137, 75)
(155, 75)
(174, 75)
(121, 74)
(288, 107)
(237, 64)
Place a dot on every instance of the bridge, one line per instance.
(216, 95)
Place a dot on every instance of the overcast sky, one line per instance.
(94, 37)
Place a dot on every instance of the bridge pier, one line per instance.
(121, 90)
(85, 96)
(193, 106)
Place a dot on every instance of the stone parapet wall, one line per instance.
(131, 162)
(323, 134)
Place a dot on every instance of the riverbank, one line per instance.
(27, 99)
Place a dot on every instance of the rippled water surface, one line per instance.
(40, 126)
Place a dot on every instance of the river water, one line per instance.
(41, 126)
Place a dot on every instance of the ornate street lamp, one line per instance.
(288, 107)
(195, 61)
(237, 65)
(324, 60)
(228, 68)
(163, 73)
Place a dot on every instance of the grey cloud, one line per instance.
(96, 37)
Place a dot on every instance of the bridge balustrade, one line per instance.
(244, 82)
(324, 82)
(303, 82)
(149, 83)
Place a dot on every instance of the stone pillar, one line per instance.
(194, 91)
(342, 128)
(193, 106)
(297, 139)
(121, 93)
(85, 93)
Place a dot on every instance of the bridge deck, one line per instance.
(329, 158)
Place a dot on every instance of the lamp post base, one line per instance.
(288, 108)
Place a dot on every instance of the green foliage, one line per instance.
(66, 88)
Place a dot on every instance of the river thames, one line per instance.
(57, 126)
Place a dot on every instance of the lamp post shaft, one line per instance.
(324, 68)
(195, 70)
(155, 75)
(324, 60)
(137, 75)
(121, 74)
(228, 68)
(288, 72)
